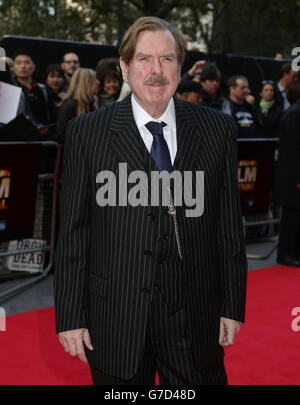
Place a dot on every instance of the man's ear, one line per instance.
(124, 69)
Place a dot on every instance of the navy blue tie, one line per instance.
(159, 150)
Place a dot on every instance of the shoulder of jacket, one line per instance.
(292, 112)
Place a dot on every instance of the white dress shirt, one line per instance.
(142, 117)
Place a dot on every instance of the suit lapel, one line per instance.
(126, 140)
(189, 137)
(128, 145)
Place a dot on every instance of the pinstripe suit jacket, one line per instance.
(103, 278)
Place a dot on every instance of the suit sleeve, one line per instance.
(73, 239)
(231, 245)
(291, 131)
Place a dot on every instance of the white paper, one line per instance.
(9, 102)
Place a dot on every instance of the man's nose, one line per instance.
(156, 66)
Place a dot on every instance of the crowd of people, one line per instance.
(257, 116)
(69, 90)
(273, 113)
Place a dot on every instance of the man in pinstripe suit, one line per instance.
(145, 288)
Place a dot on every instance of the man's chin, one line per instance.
(158, 91)
(158, 99)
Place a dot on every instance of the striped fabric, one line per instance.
(109, 258)
(167, 350)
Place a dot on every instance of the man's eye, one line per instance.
(168, 58)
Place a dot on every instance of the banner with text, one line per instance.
(255, 169)
(19, 168)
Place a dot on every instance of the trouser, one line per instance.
(289, 233)
(167, 350)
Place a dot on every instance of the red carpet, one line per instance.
(267, 350)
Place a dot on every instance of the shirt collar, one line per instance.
(142, 117)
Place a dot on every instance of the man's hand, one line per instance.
(228, 331)
(197, 68)
(250, 99)
(72, 341)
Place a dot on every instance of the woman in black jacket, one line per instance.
(269, 110)
(79, 99)
(54, 79)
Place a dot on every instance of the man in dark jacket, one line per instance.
(287, 76)
(288, 181)
(147, 286)
(209, 77)
(243, 113)
(36, 94)
(210, 81)
(70, 62)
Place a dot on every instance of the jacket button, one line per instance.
(148, 253)
(165, 236)
(145, 290)
(151, 215)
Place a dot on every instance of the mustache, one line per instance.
(156, 80)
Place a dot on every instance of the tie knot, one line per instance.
(156, 128)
